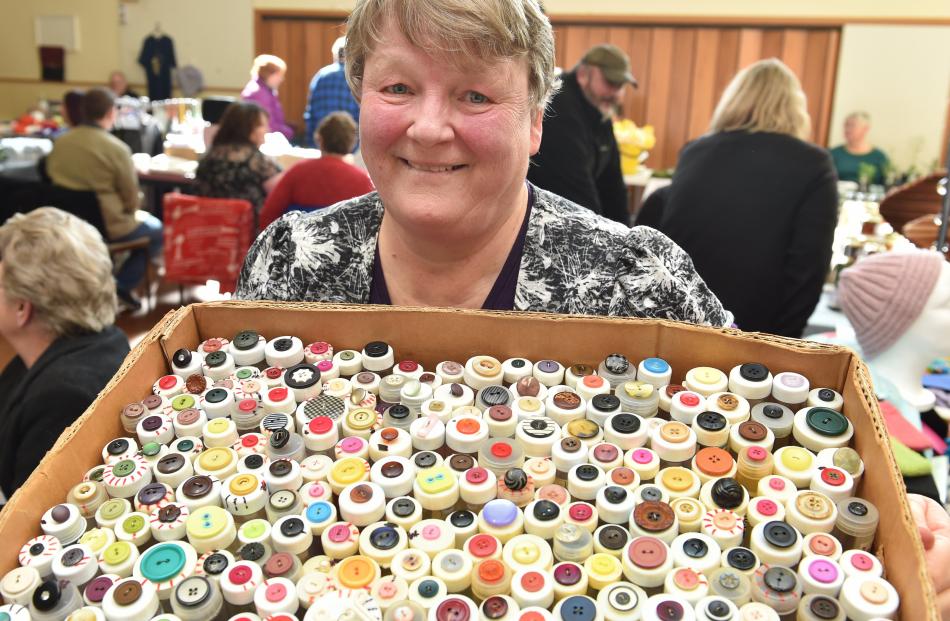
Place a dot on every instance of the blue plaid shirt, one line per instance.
(329, 92)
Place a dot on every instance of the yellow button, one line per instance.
(218, 425)
(117, 553)
(84, 491)
(243, 484)
(583, 429)
(638, 390)
(435, 480)
(677, 479)
(337, 384)
(213, 459)
(796, 458)
(486, 366)
(687, 509)
(81, 615)
(526, 553)
(133, 524)
(707, 375)
(361, 419)
(206, 522)
(96, 539)
(348, 470)
(437, 406)
(529, 404)
(602, 564)
(674, 432)
(356, 572)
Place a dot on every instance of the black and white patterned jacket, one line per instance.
(574, 261)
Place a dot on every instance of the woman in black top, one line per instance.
(755, 206)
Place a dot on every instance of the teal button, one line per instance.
(826, 421)
(185, 445)
(162, 562)
(5, 617)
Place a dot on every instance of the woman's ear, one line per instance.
(537, 122)
(24, 313)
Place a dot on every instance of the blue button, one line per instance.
(500, 512)
(4, 616)
(319, 511)
(162, 562)
(656, 365)
(578, 608)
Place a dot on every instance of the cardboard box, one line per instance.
(429, 336)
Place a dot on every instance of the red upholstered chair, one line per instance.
(206, 239)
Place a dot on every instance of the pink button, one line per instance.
(319, 347)
(688, 399)
(476, 475)
(167, 382)
(580, 511)
(823, 571)
(408, 366)
(325, 365)
(275, 593)
(339, 533)
(239, 575)
(793, 380)
(316, 490)
(352, 444)
(756, 453)
(431, 532)
(766, 507)
(387, 590)
(642, 456)
(777, 484)
(862, 562)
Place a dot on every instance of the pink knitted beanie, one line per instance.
(882, 295)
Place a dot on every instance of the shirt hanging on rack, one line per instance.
(158, 59)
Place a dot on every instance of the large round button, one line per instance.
(826, 421)
(193, 591)
(714, 462)
(384, 538)
(162, 562)
(753, 431)
(824, 607)
(779, 534)
(754, 372)
(647, 552)
(742, 559)
(727, 493)
(96, 590)
(655, 516)
(452, 609)
(567, 574)
(814, 505)
(578, 608)
(355, 572)
(625, 423)
(780, 579)
(605, 403)
(711, 421)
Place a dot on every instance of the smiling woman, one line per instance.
(452, 95)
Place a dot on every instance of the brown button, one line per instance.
(499, 412)
(170, 463)
(672, 389)
(753, 431)
(365, 377)
(581, 370)
(197, 486)
(567, 400)
(152, 401)
(461, 462)
(280, 467)
(456, 390)
(727, 401)
(127, 592)
(133, 410)
(653, 515)
(427, 378)
(495, 607)
(388, 434)
(622, 475)
(528, 387)
(152, 423)
(168, 514)
(196, 384)
(189, 416)
(450, 367)
(613, 537)
(571, 445)
(361, 494)
(391, 469)
(278, 564)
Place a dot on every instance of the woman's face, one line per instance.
(275, 79)
(257, 135)
(446, 146)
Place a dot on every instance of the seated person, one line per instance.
(858, 160)
(89, 158)
(120, 85)
(234, 167)
(322, 182)
(57, 308)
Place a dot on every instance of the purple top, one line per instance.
(502, 294)
(266, 97)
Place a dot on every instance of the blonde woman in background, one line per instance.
(267, 74)
(57, 308)
(755, 205)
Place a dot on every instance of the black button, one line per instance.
(462, 519)
(711, 421)
(252, 552)
(283, 344)
(518, 363)
(428, 588)
(742, 559)
(773, 411)
(727, 493)
(170, 463)
(494, 395)
(616, 364)
(587, 472)
(425, 459)
(546, 510)
(404, 507)
(651, 493)
(577, 608)
(398, 412)
(275, 422)
(538, 428)
(291, 527)
(215, 564)
(215, 359)
(245, 340)
(118, 446)
(613, 537)
(182, 358)
(302, 375)
(615, 494)
(826, 395)
(780, 579)
(779, 534)
(824, 607)
(625, 423)
(384, 538)
(151, 493)
(280, 468)
(516, 479)
(254, 461)
(168, 514)
(605, 403)
(152, 423)
(718, 610)
(695, 548)
(46, 596)
(858, 508)
(376, 349)
(216, 395)
(71, 556)
(279, 438)
(754, 372)
(36, 549)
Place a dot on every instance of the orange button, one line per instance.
(532, 582)
(593, 381)
(714, 461)
(724, 519)
(491, 570)
(822, 545)
(355, 572)
(686, 579)
(468, 425)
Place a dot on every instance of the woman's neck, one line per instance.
(453, 271)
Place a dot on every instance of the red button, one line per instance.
(482, 545)
(320, 424)
(408, 366)
(247, 405)
(605, 452)
(239, 575)
(249, 441)
(532, 582)
(500, 450)
(580, 511)
(862, 561)
(689, 399)
(766, 507)
(168, 382)
(647, 552)
(833, 477)
(275, 593)
(452, 609)
(273, 372)
(476, 475)
(319, 347)
(531, 615)
(277, 394)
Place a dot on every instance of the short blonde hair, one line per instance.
(267, 65)
(764, 97)
(859, 115)
(62, 267)
(487, 30)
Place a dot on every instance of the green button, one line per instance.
(117, 553)
(133, 524)
(124, 468)
(826, 422)
(244, 374)
(162, 562)
(113, 509)
(185, 445)
(183, 402)
(96, 474)
(254, 529)
(151, 449)
(346, 355)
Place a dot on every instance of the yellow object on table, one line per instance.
(634, 142)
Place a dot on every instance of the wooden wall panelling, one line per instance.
(680, 99)
(658, 92)
(704, 91)
(635, 104)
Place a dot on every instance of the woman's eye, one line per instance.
(398, 89)
(477, 98)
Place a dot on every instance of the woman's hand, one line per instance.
(933, 522)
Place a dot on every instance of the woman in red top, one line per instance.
(312, 184)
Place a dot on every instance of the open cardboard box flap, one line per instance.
(432, 335)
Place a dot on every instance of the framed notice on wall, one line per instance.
(57, 31)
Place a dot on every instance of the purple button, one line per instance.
(548, 366)
(500, 512)
(353, 444)
(152, 423)
(567, 574)
(823, 571)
